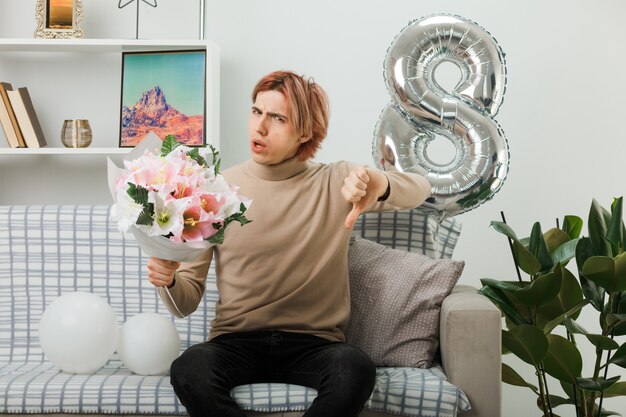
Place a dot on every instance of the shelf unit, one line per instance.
(101, 46)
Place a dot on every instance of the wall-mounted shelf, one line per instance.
(64, 151)
(96, 45)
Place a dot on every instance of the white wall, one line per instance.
(562, 111)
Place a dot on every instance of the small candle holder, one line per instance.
(76, 133)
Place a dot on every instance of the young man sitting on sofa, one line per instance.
(283, 279)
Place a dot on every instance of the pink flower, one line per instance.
(210, 203)
(197, 225)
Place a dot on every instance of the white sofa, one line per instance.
(46, 251)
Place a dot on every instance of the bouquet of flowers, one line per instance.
(175, 202)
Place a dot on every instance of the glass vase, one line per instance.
(76, 133)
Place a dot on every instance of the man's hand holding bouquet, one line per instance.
(175, 201)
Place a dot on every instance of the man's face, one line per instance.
(272, 136)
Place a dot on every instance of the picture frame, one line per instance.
(59, 19)
(163, 92)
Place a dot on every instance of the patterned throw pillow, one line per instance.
(396, 297)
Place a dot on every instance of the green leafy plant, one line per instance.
(550, 299)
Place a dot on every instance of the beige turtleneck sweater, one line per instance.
(287, 270)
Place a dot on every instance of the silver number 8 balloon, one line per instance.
(422, 109)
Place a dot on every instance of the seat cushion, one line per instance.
(40, 387)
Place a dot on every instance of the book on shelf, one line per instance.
(7, 118)
(27, 118)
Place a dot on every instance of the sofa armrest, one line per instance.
(470, 345)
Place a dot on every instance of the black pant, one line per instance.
(204, 374)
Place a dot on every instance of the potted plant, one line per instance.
(540, 311)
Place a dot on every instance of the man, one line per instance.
(283, 279)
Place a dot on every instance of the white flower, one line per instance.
(232, 203)
(217, 185)
(168, 215)
(125, 211)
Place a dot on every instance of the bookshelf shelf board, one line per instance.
(64, 151)
(97, 45)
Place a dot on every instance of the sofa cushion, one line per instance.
(410, 230)
(395, 302)
(39, 387)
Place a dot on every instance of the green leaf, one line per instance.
(509, 376)
(537, 246)
(510, 286)
(568, 388)
(169, 144)
(600, 385)
(549, 326)
(592, 291)
(570, 295)
(238, 217)
(616, 321)
(563, 360)
(504, 228)
(140, 196)
(506, 306)
(606, 413)
(215, 159)
(527, 343)
(597, 226)
(620, 328)
(620, 271)
(541, 291)
(555, 401)
(145, 217)
(565, 252)
(195, 155)
(138, 193)
(573, 225)
(615, 229)
(526, 260)
(555, 238)
(598, 340)
(616, 390)
(214, 155)
(217, 166)
(619, 357)
(602, 342)
(607, 272)
(218, 238)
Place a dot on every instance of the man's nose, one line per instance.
(261, 126)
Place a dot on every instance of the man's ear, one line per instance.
(303, 139)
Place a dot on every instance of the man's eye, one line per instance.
(256, 111)
(279, 119)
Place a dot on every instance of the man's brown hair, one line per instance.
(309, 107)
